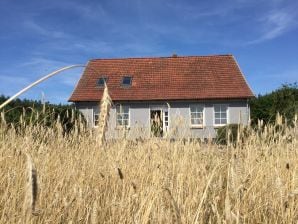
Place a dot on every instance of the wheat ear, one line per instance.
(228, 215)
(94, 218)
(197, 215)
(176, 217)
(3, 121)
(120, 174)
(31, 186)
(105, 106)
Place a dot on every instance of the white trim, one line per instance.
(94, 114)
(93, 117)
(248, 119)
(129, 115)
(197, 125)
(169, 118)
(164, 120)
(227, 111)
(149, 120)
(162, 109)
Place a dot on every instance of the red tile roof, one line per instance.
(164, 78)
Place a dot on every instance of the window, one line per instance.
(101, 81)
(166, 119)
(220, 114)
(96, 119)
(122, 115)
(126, 81)
(196, 115)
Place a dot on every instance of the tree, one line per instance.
(283, 101)
(36, 112)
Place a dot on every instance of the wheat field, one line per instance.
(48, 177)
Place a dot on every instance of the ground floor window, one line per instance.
(166, 117)
(220, 114)
(196, 115)
(96, 119)
(122, 115)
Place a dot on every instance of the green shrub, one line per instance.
(284, 101)
(223, 136)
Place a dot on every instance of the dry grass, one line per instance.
(156, 181)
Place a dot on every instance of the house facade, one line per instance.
(189, 96)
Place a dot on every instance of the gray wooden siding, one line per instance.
(179, 117)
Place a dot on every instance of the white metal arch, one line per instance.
(37, 82)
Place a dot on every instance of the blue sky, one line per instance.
(37, 37)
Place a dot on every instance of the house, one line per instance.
(188, 96)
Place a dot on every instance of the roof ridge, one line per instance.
(159, 57)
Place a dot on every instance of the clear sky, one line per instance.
(37, 37)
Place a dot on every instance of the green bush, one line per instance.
(283, 101)
(223, 136)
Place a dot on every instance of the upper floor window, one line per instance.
(220, 114)
(101, 81)
(126, 81)
(196, 115)
(122, 115)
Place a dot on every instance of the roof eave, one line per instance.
(167, 99)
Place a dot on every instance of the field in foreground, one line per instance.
(155, 181)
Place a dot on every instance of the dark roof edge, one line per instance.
(78, 82)
(243, 76)
(132, 100)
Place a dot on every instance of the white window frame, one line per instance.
(122, 126)
(94, 114)
(166, 128)
(227, 112)
(203, 118)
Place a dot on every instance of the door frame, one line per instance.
(162, 109)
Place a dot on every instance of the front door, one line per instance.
(156, 123)
(159, 122)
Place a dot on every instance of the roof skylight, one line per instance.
(126, 81)
(101, 81)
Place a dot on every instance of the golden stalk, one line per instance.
(31, 186)
(105, 106)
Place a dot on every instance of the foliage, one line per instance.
(280, 104)
(283, 101)
(23, 112)
(230, 133)
(156, 126)
(156, 129)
